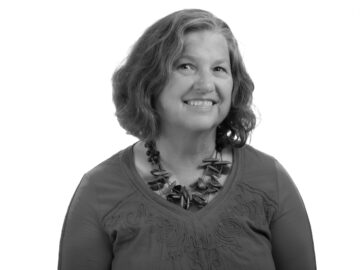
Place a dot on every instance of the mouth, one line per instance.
(200, 102)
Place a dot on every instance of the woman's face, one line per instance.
(197, 96)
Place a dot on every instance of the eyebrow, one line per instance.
(193, 58)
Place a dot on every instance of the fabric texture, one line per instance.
(257, 221)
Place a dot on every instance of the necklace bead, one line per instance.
(199, 191)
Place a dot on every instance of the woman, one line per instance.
(190, 194)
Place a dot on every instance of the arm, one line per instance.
(84, 245)
(292, 242)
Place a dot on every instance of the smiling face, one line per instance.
(197, 96)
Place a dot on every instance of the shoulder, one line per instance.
(255, 160)
(111, 176)
(258, 162)
(262, 171)
(102, 187)
(115, 166)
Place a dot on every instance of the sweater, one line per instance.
(256, 221)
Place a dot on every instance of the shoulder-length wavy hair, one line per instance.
(139, 81)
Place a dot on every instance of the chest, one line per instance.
(230, 234)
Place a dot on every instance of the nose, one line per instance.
(205, 82)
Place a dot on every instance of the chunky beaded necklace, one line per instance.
(198, 192)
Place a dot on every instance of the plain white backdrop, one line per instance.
(57, 116)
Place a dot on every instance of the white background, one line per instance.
(57, 117)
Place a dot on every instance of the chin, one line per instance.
(202, 126)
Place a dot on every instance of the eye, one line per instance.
(185, 66)
(220, 69)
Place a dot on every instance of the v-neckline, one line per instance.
(236, 170)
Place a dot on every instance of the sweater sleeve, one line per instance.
(292, 241)
(84, 245)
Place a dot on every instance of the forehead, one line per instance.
(205, 43)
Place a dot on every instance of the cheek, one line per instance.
(226, 101)
(227, 106)
(228, 97)
(228, 92)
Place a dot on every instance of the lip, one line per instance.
(200, 102)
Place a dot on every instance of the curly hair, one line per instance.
(139, 81)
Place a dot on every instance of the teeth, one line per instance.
(199, 103)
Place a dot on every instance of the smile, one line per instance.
(200, 103)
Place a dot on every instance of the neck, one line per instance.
(188, 146)
(182, 154)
